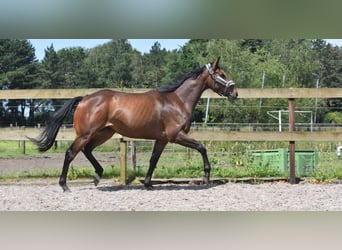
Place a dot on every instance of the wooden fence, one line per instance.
(243, 93)
(219, 135)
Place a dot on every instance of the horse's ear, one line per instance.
(215, 64)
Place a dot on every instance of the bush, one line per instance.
(333, 117)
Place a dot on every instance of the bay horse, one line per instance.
(163, 115)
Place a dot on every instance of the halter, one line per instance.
(219, 79)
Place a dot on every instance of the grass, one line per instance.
(228, 160)
(329, 169)
(14, 149)
(160, 172)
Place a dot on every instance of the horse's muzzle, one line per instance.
(233, 96)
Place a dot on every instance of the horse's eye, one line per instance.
(223, 76)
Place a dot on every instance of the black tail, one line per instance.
(48, 136)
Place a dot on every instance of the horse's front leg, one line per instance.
(184, 140)
(157, 150)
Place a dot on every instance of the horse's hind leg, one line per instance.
(99, 138)
(96, 165)
(70, 154)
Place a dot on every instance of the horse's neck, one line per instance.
(190, 92)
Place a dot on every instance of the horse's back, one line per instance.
(108, 93)
(123, 111)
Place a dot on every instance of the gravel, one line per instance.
(46, 195)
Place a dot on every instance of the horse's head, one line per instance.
(219, 82)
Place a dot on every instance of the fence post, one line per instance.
(292, 143)
(23, 143)
(123, 161)
(23, 146)
(134, 155)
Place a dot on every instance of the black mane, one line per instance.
(193, 75)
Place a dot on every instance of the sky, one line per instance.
(337, 42)
(142, 45)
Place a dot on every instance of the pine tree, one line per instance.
(51, 73)
(18, 70)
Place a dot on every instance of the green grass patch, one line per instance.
(37, 173)
(15, 149)
(228, 160)
(329, 168)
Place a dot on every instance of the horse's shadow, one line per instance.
(159, 187)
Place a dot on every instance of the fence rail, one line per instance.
(15, 134)
(243, 93)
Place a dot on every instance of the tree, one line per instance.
(154, 62)
(18, 70)
(329, 70)
(18, 66)
(250, 63)
(329, 60)
(112, 63)
(172, 68)
(253, 45)
(50, 71)
(194, 54)
(70, 63)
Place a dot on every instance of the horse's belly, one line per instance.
(139, 129)
(141, 132)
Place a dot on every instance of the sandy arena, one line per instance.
(47, 195)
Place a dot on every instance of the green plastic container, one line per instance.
(275, 158)
(306, 161)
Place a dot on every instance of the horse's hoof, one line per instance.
(64, 186)
(205, 181)
(96, 180)
(148, 186)
(66, 189)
